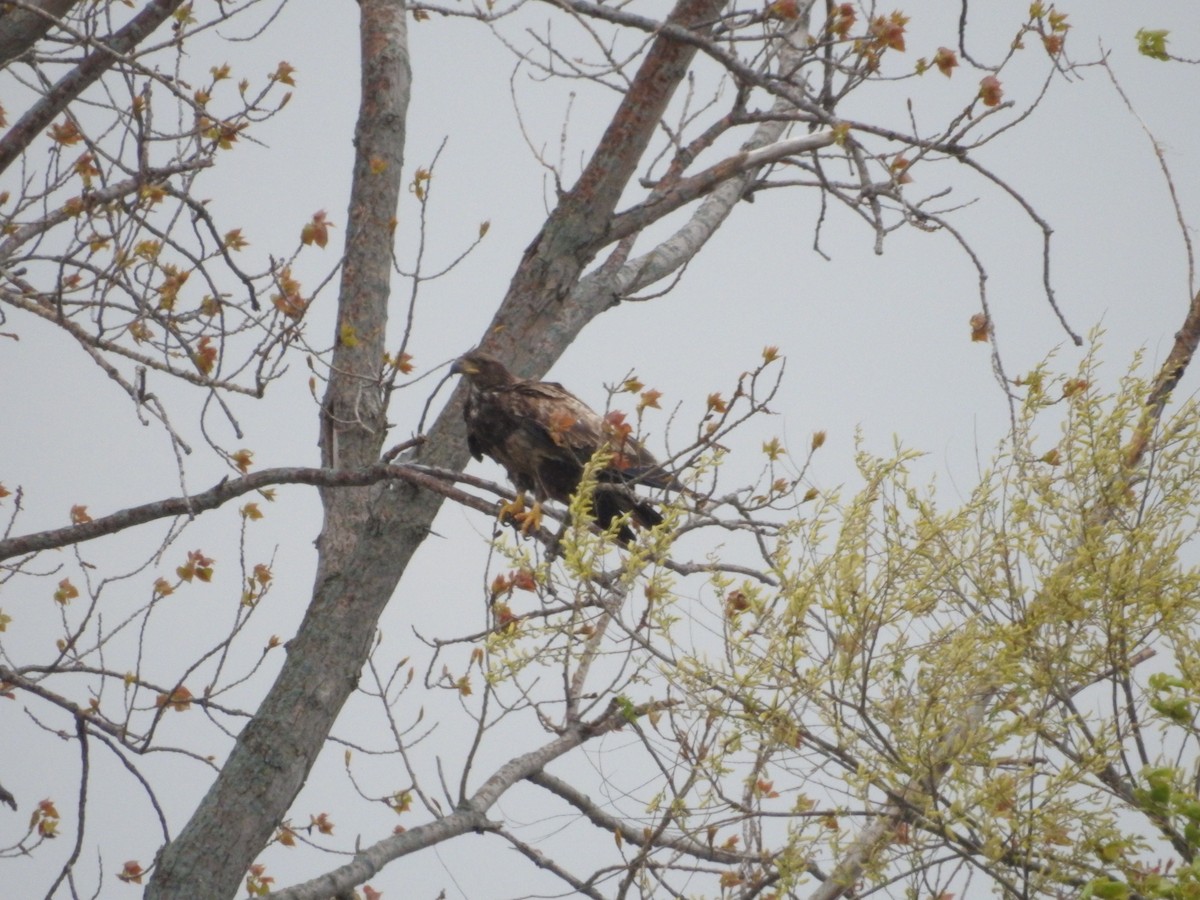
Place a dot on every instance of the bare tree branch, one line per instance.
(95, 64)
(471, 814)
(222, 493)
(640, 217)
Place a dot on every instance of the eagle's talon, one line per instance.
(530, 521)
(527, 521)
(512, 510)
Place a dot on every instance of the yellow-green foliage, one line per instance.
(982, 662)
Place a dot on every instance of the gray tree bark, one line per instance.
(21, 28)
(368, 535)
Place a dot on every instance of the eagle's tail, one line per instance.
(611, 502)
(653, 476)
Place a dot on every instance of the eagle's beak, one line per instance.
(463, 367)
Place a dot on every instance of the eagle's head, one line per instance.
(483, 371)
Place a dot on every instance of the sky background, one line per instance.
(875, 345)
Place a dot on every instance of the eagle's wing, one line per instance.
(578, 429)
(564, 419)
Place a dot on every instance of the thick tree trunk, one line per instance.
(525, 332)
(356, 573)
(371, 534)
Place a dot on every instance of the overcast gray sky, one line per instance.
(877, 343)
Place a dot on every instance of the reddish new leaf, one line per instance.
(316, 231)
(990, 91)
(981, 327)
(946, 60)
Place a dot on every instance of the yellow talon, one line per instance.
(527, 520)
(530, 521)
(512, 511)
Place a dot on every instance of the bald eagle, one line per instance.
(543, 436)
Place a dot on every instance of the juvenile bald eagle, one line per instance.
(543, 436)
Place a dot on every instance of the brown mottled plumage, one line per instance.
(543, 436)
